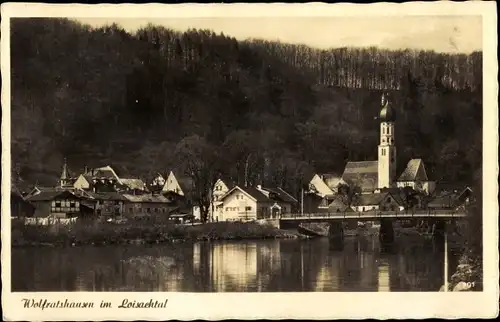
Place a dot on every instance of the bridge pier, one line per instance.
(336, 232)
(439, 229)
(386, 233)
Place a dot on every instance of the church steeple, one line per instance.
(65, 177)
(387, 145)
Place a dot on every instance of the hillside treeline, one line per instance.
(209, 105)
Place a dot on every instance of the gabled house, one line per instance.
(19, 207)
(339, 205)
(415, 176)
(149, 205)
(316, 185)
(98, 179)
(181, 185)
(451, 200)
(59, 204)
(384, 201)
(249, 203)
(221, 187)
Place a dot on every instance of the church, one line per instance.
(373, 176)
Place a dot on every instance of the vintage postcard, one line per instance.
(249, 161)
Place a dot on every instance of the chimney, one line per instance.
(85, 170)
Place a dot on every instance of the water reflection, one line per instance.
(257, 266)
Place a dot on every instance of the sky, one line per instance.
(452, 34)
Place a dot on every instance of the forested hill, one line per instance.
(138, 101)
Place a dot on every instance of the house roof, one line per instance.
(376, 198)
(48, 195)
(362, 173)
(147, 198)
(132, 183)
(112, 195)
(415, 171)
(331, 180)
(338, 203)
(227, 181)
(252, 192)
(281, 194)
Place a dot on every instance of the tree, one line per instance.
(349, 193)
(198, 160)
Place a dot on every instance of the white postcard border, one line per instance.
(213, 306)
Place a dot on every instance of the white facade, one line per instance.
(386, 155)
(81, 183)
(171, 184)
(365, 208)
(425, 186)
(216, 208)
(238, 206)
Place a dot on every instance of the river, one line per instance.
(244, 266)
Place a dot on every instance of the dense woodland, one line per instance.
(206, 105)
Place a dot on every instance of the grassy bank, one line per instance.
(104, 233)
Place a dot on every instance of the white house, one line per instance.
(221, 187)
(415, 176)
(378, 201)
(249, 203)
(180, 185)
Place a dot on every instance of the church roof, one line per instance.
(363, 174)
(415, 171)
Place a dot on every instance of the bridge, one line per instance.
(371, 215)
(438, 219)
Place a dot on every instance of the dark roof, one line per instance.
(363, 174)
(112, 195)
(376, 199)
(387, 113)
(253, 192)
(338, 203)
(281, 194)
(51, 195)
(443, 188)
(415, 171)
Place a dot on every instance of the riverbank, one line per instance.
(104, 233)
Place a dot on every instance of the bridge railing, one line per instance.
(375, 214)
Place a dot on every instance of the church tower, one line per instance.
(387, 145)
(65, 178)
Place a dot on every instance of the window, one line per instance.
(383, 129)
(53, 203)
(58, 204)
(363, 208)
(383, 152)
(72, 204)
(248, 208)
(148, 209)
